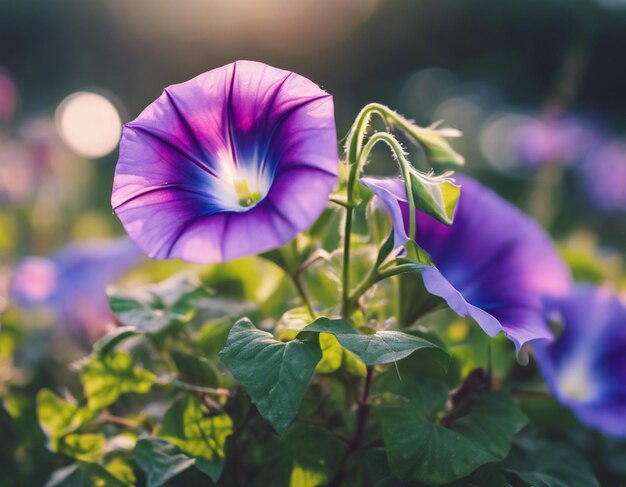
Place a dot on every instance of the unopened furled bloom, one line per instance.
(71, 283)
(586, 366)
(493, 263)
(604, 173)
(234, 162)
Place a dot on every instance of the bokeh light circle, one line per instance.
(89, 124)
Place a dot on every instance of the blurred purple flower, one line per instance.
(563, 140)
(604, 174)
(234, 162)
(71, 283)
(19, 173)
(493, 263)
(586, 367)
(8, 96)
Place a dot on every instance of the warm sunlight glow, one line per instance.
(89, 124)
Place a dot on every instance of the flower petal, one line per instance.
(586, 367)
(245, 128)
(71, 282)
(493, 263)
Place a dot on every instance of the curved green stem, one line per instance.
(303, 294)
(357, 154)
(355, 168)
(419, 135)
(404, 165)
(374, 277)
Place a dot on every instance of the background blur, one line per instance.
(537, 86)
(483, 66)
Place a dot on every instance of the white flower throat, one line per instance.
(240, 188)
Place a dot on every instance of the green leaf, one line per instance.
(194, 369)
(185, 425)
(315, 454)
(381, 347)
(486, 476)
(109, 341)
(332, 354)
(423, 451)
(371, 469)
(139, 311)
(59, 417)
(83, 447)
(306, 456)
(274, 374)
(160, 460)
(435, 195)
(293, 321)
(83, 475)
(542, 463)
(427, 395)
(156, 307)
(121, 468)
(105, 378)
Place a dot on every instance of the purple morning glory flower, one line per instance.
(234, 162)
(604, 174)
(586, 366)
(493, 263)
(71, 283)
(561, 140)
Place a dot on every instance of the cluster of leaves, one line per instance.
(196, 387)
(182, 393)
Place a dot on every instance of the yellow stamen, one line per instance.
(246, 197)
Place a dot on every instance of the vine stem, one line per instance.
(303, 294)
(404, 165)
(375, 276)
(350, 204)
(355, 168)
(361, 421)
(108, 418)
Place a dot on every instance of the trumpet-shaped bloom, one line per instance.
(71, 283)
(234, 162)
(586, 366)
(493, 263)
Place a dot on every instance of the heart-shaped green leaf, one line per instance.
(155, 307)
(194, 369)
(59, 417)
(106, 378)
(541, 463)
(160, 460)
(200, 436)
(83, 474)
(381, 347)
(425, 451)
(275, 374)
(111, 340)
(84, 447)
